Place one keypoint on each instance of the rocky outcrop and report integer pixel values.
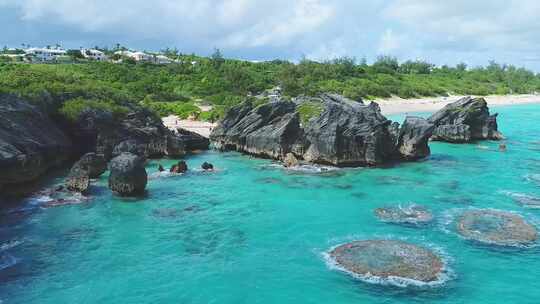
(290, 161)
(465, 120)
(410, 215)
(327, 129)
(180, 167)
(191, 141)
(78, 179)
(413, 138)
(386, 261)
(94, 163)
(30, 142)
(128, 176)
(207, 166)
(140, 132)
(496, 228)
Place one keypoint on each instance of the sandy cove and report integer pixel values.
(396, 105)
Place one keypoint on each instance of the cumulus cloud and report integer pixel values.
(445, 32)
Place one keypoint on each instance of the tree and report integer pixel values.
(386, 65)
(217, 58)
(75, 54)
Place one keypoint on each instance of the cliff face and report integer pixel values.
(30, 142)
(338, 131)
(465, 120)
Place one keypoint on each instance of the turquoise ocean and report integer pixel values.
(253, 232)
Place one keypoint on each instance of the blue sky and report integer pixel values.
(443, 32)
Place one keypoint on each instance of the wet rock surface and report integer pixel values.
(412, 215)
(465, 120)
(207, 166)
(180, 167)
(326, 129)
(127, 175)
(496, 227)
(78, 179)
(387, 259)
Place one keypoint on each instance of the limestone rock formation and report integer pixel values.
(94, 163)
(30, 142)
(496, 227)
(414, 137)
(326, 129)
(411, 215)
(385, 259)
(128, 176)
(465, 120)
(78, 179)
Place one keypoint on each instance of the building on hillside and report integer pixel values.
(45, 54)
(94, 54)
(162, 59)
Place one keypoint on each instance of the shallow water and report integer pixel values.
(252, 232)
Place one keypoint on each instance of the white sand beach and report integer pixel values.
(203, 128)
(396, 105)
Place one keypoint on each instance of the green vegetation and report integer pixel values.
(179, 87)
(308, 110)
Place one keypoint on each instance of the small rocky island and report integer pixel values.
(408, 215)
(388, 260)
(327, 129)
(465, 120)
(330, 129)
(496, 228)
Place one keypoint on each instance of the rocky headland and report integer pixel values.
(328, 129)
(34, 140)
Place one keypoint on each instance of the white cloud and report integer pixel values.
(391, 42)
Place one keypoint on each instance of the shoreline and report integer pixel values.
(203, 128)
(389, 106)
(396, 105)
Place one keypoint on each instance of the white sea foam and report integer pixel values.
(9, 245)
(523, 199)
(7, 261)
(444, 276)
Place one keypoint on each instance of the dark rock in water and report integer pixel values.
(180, 167)
(290, 160)
(94, 163)
(386, 260)
(525, 200)
(333, 130)
(413, 138)
(496, 227)
(192, 141)
(207, 166)
(465, 120)
(78, 179)
(412, 214)
(30, 142)
(128, 176)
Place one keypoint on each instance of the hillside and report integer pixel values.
(178, 88)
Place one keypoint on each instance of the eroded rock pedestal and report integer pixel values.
(128, 176)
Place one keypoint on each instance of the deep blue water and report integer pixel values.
(253, 232)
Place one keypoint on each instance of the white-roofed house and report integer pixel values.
(45, 54)
(94, 54)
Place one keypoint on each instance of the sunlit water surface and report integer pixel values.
(252, 232)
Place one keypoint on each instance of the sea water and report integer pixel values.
(254, 232)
